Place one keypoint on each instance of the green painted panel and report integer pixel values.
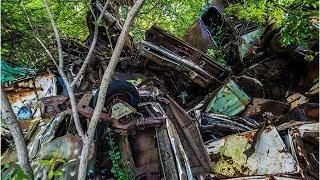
(229, 100)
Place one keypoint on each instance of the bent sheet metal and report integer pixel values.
(270, 156)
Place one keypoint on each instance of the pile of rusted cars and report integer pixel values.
(176, 113)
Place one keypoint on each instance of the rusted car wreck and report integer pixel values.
(173, 112)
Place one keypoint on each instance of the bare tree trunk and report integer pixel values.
(104, 86)
(70, 85)
(11, 121)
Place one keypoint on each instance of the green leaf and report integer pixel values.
(45, 162)
(57, 173)
(50, 174)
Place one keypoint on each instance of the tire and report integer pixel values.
(121, 89)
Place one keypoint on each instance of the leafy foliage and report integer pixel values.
(174, 16)
(115, 156)
(298, 19)
(23, 20)
(15, 172)
(51, 164)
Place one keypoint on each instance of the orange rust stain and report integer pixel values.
(249, 136)
(17, 96)
(313, 112)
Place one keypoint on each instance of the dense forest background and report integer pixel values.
(24, 20)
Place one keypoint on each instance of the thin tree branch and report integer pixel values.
(70, 89)
(93, 45)
(56, 33)
(104, 86)
(11, 121)
(47, 51)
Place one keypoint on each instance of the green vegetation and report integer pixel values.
(174, 16)
(18, 36)
(21, 22)
(117, 169)
(298, 19)
(15, 172)
(51, 164)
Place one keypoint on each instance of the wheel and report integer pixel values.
(120, 90)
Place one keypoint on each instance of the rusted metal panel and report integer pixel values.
(216, 126)
(25, 94)
(181, 48)
(303, 141)
(228, 100)
(189, 135)
(308, 112)
(270, 156)
(199, 36)
(259, 108)
(145, 154)
(166, 50)
(167, 159)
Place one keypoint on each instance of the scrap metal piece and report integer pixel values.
(266, 68)
(167, 50)
(202, 33)
(217, 126)
(296, 100)
(252, 86)
(304, 144)
(182, 160)
(248, 40)
(305, 112)
(228, 100)
(167, 159)
(313, 90)
(259, 108)
(44, 133)
(268, 177)
(189, 135)
(270, 156)
(199, 36)
(145, 154)
(69, 170)
(67, 147)
(56, 104)
(24, 94)
(175, 156)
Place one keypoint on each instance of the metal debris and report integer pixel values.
(228, 100)
(270, 156)
(175, 113)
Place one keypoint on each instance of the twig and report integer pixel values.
(56, 33)
(61, 72)
(104, 86)
(93, 45)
